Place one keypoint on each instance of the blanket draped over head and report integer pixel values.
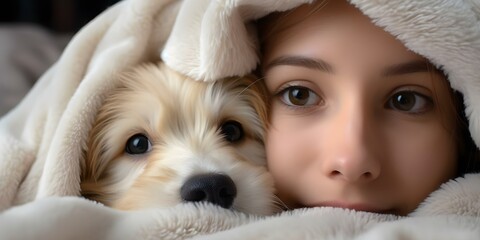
(41, 139)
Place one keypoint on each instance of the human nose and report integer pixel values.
(353, 154)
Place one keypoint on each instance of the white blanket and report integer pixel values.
(42, 138)
(453, 212)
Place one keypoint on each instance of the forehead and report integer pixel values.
(162, 102)
(338, 32)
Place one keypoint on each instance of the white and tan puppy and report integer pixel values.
(161, 139)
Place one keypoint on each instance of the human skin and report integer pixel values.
(357, 120)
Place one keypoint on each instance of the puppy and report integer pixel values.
(161, 139)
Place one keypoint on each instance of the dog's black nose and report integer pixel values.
(216, 188)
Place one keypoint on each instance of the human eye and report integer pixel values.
(410, 102)
(299, 96)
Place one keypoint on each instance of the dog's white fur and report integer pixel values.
(182, 119)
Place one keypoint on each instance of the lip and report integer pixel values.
(354, 206)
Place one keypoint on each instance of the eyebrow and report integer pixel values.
(409, 67)
(311, 63)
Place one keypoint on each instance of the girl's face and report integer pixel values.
(357, 120)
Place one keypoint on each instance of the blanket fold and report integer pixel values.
(77, 218)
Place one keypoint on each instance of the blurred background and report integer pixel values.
(33, 34)
(63, 16)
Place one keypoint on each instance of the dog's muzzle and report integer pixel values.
(216, 188)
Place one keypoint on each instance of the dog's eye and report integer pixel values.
(232, 131)
(138, 144)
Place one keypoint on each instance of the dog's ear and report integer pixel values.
(262, 99)
(96, 155)
(91, 157)
(258, 96)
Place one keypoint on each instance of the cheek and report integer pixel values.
(431, 150)
(287, 156)
(280, 152)
(284, 143)
(280, 164)
(422, 163)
